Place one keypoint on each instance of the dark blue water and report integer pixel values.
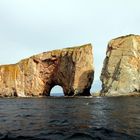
(70, 118)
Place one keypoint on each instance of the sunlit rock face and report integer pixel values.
(71, 68)
(121, 71)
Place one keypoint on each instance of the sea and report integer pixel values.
(70, 118)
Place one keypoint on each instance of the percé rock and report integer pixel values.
(71, 68)
(121, 71)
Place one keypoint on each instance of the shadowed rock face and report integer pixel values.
(71, 68)
(121, 71)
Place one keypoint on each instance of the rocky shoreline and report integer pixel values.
(132, 94)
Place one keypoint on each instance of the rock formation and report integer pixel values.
(71, 68)
(121, 71)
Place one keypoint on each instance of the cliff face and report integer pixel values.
(71, 68)
(121, 71)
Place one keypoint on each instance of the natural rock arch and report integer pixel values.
(71, 68)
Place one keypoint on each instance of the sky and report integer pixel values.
(29, 27)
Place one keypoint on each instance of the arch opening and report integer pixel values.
(57, 91)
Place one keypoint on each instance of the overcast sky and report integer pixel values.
(28, 27)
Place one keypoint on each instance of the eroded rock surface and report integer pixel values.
(71, 68)
(121, 71)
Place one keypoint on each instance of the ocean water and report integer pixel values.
(67, 118)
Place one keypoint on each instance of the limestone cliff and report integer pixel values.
(71, 68)
(121, 71)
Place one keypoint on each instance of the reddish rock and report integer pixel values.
(71, 68)
(121, 71)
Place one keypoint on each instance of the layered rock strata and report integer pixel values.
(121, 71)
(71, 68)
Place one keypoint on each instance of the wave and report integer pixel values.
(93, 134)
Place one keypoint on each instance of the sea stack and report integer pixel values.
(121, 70)
(71, 68)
